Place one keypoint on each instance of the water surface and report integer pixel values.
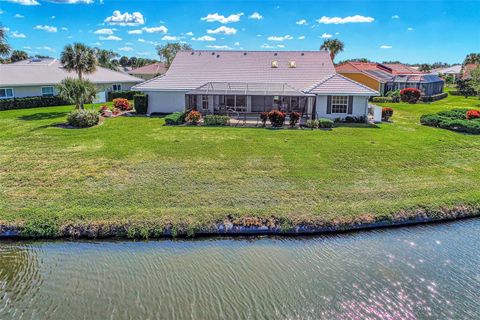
(425, 272)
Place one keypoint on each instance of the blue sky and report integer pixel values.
(409, 31)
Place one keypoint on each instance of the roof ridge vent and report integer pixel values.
(292, 64)
(274, 64)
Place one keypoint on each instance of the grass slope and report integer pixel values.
(135, 171)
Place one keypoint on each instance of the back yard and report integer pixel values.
(134, 171)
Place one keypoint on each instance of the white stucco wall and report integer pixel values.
(360, 108)
(165, 101)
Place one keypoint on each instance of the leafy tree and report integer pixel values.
(77, 91)
(334, 46)
(106, 58)
(391, 62)
(475, 80)
(465, 87)
(168, 51)
(425, 67)
(132, 61)
(18, 55)
(4, 47)
(79, 58)
(354, 60)
(472, 58)
(42, 56)
(124, 61)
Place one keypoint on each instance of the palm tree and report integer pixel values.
(18, 55)
(4, 47)
(106, 58)
(77, 91)
(334, 46)
(79, 58)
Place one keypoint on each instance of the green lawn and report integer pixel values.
(134, 171)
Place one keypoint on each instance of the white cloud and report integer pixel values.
(149, 42)
(104, 31)
(125, 19)
(27, 47)
(16, 34)
(266, 46)
(277, 38)
(170, 38)
(18, 15)
(384, 46)
(26, 2)
(256, 16)
(111, 38)
(215, 17)
(326, 36)
(161, 29)
(64, 29)
(280, 46)
(219, 47)
(45, 48)
(138, 31)
(46, 28)
(52, 17)
(125, 49)
(301, 22)
(301, 37)
(98, 44)
(222, 30)
(189, 34)
(236, 44)
(410, 29)
(72, 1)
(395, 16)
(350, 19)
(144, 53)
(204, 38)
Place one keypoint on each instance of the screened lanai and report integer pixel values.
(248, 97)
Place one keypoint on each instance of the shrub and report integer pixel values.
(175, 118)
(277, 118)
(434, 97)
(431, 120)
(294, 117)
(472, 114)
(312, 123)
(410, 95)
(216, 120)
(394, 95)
(31, 102)
(127, 94)
(83, 118)
(325, 123)
(122, 104)
(193, 117)
(454, 114)
(382, 99)
(351, 119)
(105, 111)
(454, 93)
(465, 87)
(264, 118)
(387, 113)
(140, 101)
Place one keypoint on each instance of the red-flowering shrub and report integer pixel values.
(105, 111)
(277, 118)
(264, 118)
(193, 117)
(473, 114)
(410, 95)
(387, 113)
(122, 104)
(294, 117)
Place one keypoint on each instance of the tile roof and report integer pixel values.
(449, 70)
(338, 84)
(467, 69)
(398, 68)
(374, 70)
(192, 69)
(153, 69)
(51, 72)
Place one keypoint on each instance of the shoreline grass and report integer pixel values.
(135, 171)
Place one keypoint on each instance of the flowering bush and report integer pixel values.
(410, 95)
(83, 118)
(277, 118)
(264, 118)
(473, 114)
(122, 104)
(294, 117)
(193, 117)
(387, 113)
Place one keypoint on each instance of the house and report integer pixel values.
(467, 70)
(150, 71)
(391, 77)
(454, 71)
(245, 82)
(39, 77)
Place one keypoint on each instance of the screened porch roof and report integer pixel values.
(248, 88)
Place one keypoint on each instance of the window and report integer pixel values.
(204, 102)
(117, 87)
(47, 91)
(6, 93)
(191, 101)
(339, 104)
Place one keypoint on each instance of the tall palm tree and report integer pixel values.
(79, 58)
(334, 46)
(4, 47)
(106, 58)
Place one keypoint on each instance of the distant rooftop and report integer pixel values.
(151, 69)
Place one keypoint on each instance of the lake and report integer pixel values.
(429, 271)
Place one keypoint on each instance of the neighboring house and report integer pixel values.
(454, 71)
(255, 81)
(467, 70)
(391, 77)
(149, 72)
(39, 77)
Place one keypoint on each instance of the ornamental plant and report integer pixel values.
(105, 111)
(410, 95)
(277, 118)
(294, 117)
(83, 118)
(122, 104)
(473, 114)
(387, 113)
(193, 117)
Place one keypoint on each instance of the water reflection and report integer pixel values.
(410, 273)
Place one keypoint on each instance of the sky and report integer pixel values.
(409, 31)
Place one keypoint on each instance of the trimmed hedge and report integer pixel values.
(325, 123)
(31, 102)
(127, 94)
(175, 118)
(216, 120)
(454, 120)
(454, 93)
(382, 99)
(435, 97)
(140, 102)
